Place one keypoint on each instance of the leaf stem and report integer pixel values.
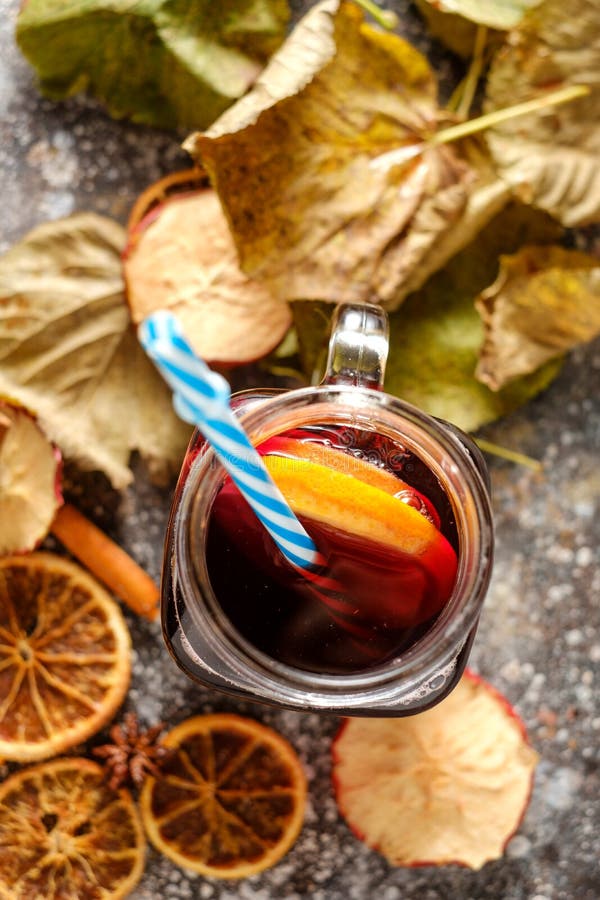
(384, 17)
(474, 74)
(464, 129)
(511, 455)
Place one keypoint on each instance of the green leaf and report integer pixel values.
(68, 353)
(312, 320)
(435, 341)
(436, 334)
(500, 14)
(168, 63)
(551, 157)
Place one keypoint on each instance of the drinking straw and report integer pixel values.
(201, 397)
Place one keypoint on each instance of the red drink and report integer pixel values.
(388, 598)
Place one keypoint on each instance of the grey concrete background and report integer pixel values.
(539, 640)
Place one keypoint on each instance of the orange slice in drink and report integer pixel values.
(64, 656)
(359, 468)
(230, 800)
(420, 560)
(65, 833)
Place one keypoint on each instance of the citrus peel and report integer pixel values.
(338, 499)
(230, 799)
(349, 464)
(64, 656)
(65, 833)
(449, 785)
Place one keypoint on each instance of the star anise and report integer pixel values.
(134, 753)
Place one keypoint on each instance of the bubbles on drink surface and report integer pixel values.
(411, 498)
(368, 445)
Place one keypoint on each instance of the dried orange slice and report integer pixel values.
(231, 799)
(64, 656)
(65, 833)
(449, 785)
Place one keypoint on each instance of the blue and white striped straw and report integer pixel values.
(201, 397)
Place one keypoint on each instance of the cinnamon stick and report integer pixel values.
(107, 561)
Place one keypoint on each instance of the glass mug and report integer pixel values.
(202, 637)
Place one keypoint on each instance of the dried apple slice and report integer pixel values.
(449, 785)
(31, 505)
(182, 257)
(30, 470)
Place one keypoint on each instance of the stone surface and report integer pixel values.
(539, 640)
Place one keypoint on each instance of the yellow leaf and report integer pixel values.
(300, 163)
(545, 301)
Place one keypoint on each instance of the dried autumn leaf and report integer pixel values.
(500, 14)
(29, 481)
(299, 163)
(436, 335)
(551, 157)
(487, 197)
(183, 258)
(160, 63)
(67, 351)
(545, 301)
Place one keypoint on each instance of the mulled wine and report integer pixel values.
(387, 530)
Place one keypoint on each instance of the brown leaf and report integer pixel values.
(436, 335)
(183, 259)
(315, 205)
(545, 301)
(67, 351)
(488, 195)
(551, 157)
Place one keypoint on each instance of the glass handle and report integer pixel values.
(358, 346)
